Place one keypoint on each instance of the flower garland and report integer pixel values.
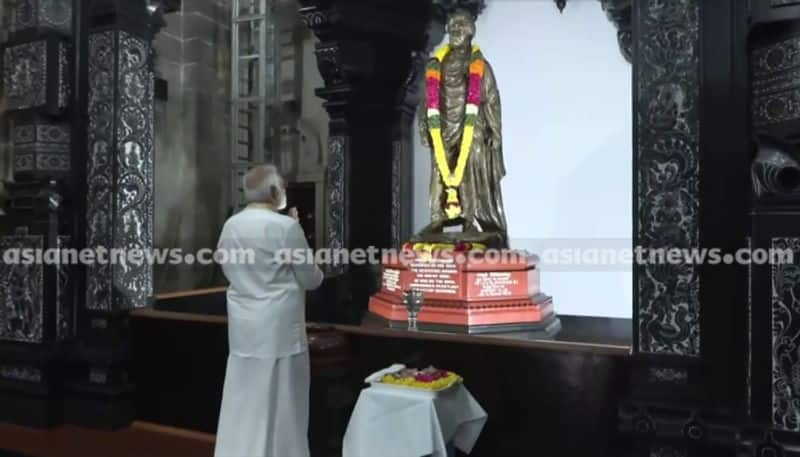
(433, 76)
(430, 248)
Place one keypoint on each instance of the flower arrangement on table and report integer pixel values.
(428, 379)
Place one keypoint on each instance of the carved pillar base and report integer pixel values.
(30, 385)
(764, 441)
(99, 394)
(36, 315)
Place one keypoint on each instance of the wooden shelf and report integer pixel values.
(601, 336)
(596, 335)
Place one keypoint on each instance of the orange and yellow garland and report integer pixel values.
(433, 76)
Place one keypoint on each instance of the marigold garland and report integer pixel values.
(433, 76)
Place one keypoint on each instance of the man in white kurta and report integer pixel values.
(265, 400)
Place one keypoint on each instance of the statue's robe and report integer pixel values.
(480, 193)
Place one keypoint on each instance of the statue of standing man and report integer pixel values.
(459, 119)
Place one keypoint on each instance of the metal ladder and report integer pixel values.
(254, 79)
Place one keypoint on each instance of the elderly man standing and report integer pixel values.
(265, 400)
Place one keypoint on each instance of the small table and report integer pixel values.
(400, 423)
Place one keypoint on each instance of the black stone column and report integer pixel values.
(118, 192)
(366, 52)
(690, 193)
(37, 319)
(773, 362)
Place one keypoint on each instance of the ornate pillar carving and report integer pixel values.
(773, 393)
(667, 128)
(321, 20)
(37, 315)
(120, 158)
(667, 214)
(119, 186)
(365, 56)
(690, 196)
(668, 324)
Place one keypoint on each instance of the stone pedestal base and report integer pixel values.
(99, 393)
(30, 384)
(545, 326)
(466, 292)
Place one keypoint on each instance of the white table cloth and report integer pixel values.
(412, 424)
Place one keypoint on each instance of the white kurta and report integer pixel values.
(265, 399)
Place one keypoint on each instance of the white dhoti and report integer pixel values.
(265, 407)
(265, 399)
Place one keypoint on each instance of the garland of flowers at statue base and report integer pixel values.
(433, 76)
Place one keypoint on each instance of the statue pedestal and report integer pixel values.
(466, 293)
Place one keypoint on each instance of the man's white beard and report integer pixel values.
(283, 203)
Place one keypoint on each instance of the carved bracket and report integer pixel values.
(620, 13)
(776, 171)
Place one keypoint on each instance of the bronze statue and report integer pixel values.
(462, 103)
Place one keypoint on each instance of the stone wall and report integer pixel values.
(193, 135)
(192, 128)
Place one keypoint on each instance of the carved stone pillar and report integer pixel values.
(36, 308)
(773, 364)
(120, 164)
(668, 130)
(690, 197)
(365, 54)
(119, 206)
(667, 327)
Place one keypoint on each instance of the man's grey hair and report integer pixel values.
(262, 184)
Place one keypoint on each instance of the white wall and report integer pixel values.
(312, 111)
(566, 99)
(313, 124)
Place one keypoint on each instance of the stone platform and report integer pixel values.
(468, 292)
